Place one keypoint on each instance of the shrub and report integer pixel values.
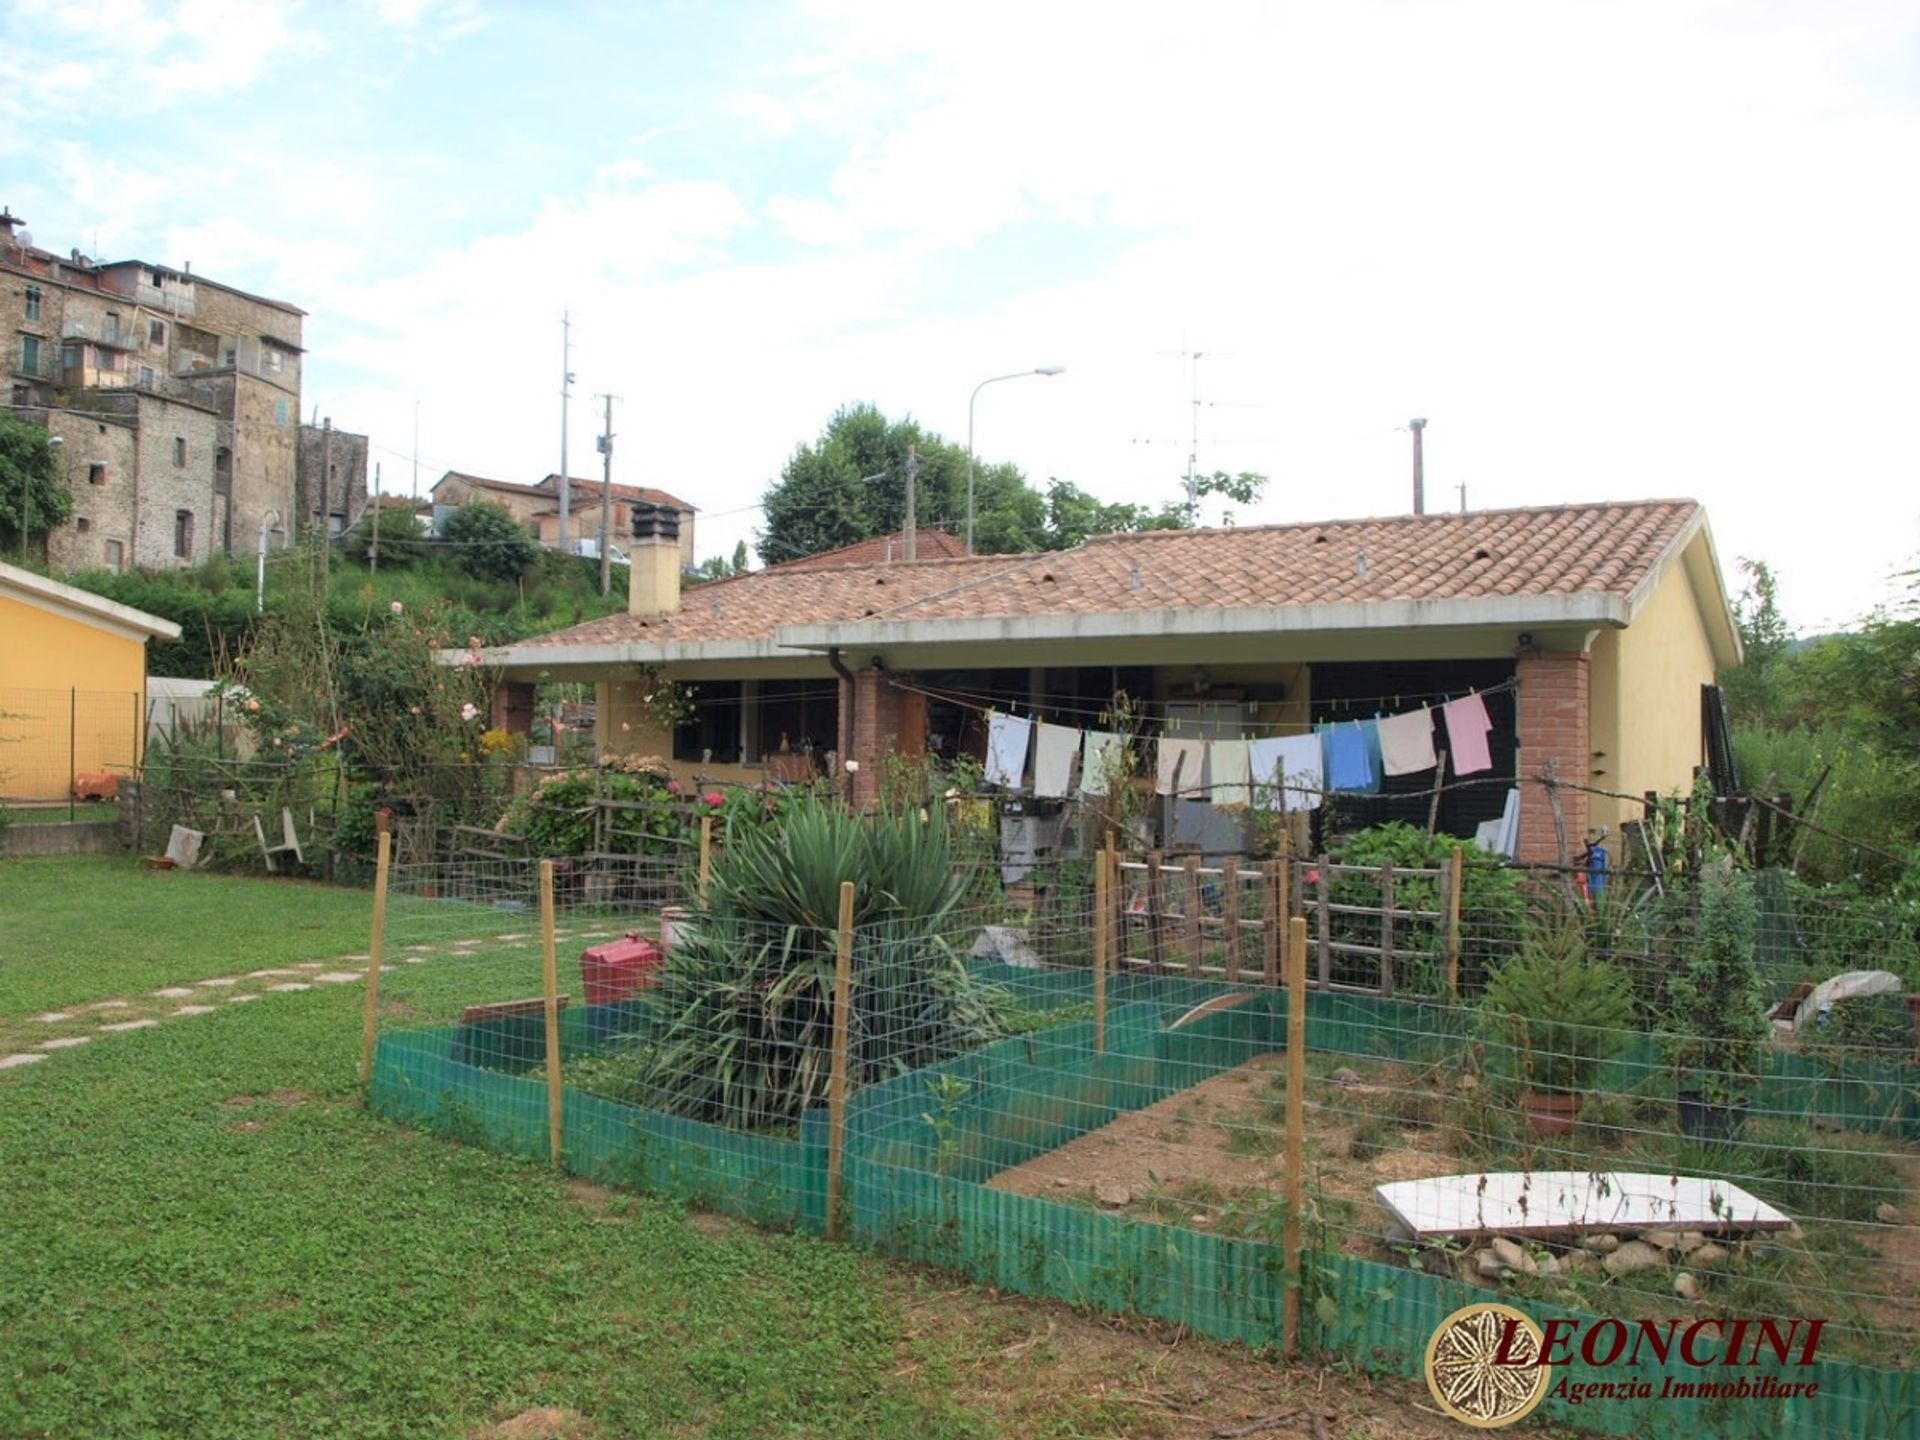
(743, 1014)
(489, 543)
(1716, 1017)
(1492, 908)
(1551, 1015)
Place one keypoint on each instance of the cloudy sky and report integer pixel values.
(1608, 250)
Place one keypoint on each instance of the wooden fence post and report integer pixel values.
(1455, 878)
(1102, 939)
(371, 1020)
(706, 854)
(837, 1075)
(550, 995)
(1324, 899)
(1230, 888)
(1156, 917)
(1273, 915)
(1386, 927)
(1191, 905)
(1296, 1146)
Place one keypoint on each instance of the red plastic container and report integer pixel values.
(613, 971)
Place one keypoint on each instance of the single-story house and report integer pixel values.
(73, 684)
(1586, 631)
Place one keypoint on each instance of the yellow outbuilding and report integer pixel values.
(73, 683)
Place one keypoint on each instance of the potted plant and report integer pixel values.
(1550, 1016)
(1717, 1009)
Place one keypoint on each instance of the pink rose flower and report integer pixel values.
(469, 711)
(396, 607)
(714, 798)
(673, 787)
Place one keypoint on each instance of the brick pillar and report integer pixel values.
(513, 707)
(1553, 713)
(886, 721)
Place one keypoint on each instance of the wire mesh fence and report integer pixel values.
(1334, 1102)
(60, 749)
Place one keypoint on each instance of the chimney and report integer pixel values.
(653, 571)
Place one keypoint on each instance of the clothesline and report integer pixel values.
(1292, 772)
(985, 702)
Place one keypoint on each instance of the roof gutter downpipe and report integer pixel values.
(846, 717)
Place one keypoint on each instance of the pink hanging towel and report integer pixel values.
(1467, 727)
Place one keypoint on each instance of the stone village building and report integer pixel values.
(177, 399)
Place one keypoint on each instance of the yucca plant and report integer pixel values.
(742, 1028)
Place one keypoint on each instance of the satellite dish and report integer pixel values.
(26, 239)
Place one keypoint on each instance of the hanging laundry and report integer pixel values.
(1406, 743)
(1302, 771)
(1467, 727)
(1228, 775)
(1349, 757)
(1264, 769)
(1181, 766)
(1053, 752)
(1007, 737)
(1097, 754)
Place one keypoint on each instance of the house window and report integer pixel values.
(69, 355)
(114, 555)
(280, 410)
(82, 524)
(96, 474)
(183, 534)
(34, 298)
(712, 724)
(270, 359)
(30, 354)
(146, 377)
(179, 450)
(805, 714)
(113, 329)
(156, 332)
(107, 360)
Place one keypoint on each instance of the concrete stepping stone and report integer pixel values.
(109, 1005)
(290, 985)
(66, 1043)
(268, 974)
(11, 1062)
(131, 1025)
(311, 965)
(414, 959)
(222, 980)
(196, 1009)
(339, 977)
(53, 1017)
(173, 992)
(240, 999)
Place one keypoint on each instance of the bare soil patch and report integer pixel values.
(547, 1422)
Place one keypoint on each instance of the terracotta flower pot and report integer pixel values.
(1549, 1114)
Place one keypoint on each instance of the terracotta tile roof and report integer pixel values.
(1557, 550)
(753, 606)
(927, 545)
(1560, 550)
(585, 492)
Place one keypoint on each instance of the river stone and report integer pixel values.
(1686, 1287)
(1632, 1256)
(1114, 1197)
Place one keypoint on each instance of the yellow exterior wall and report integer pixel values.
(1656, 668)
(50, 733)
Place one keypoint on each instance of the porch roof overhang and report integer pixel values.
(531, 660)
(1368, 623)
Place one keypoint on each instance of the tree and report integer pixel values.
(403, 538)
(740, 558)
(34, 500)
(850, 485)
(1752, 687)
(488, 542)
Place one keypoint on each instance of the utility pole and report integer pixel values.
(1193, 450)
(1462, 488)
(373, 550)
(566, 404)
(606, 497)
(415, 491)
(326, 475)
(1419, 467)
(910, 530)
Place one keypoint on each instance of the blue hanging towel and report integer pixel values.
(1350, 752)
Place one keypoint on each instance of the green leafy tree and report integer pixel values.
(403, 538)
(34, 500)
(740, 560)
(488, 542)
(1753, 688)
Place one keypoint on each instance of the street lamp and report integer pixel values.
(992, 380)
(260, 572)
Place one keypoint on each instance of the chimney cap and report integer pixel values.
(655, 522)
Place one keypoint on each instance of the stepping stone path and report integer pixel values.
(303, 975)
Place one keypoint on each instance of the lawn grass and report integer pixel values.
(79, 928)
(205, 1235)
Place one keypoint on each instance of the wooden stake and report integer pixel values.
(1156, 916)
(1455, 878)
(1102, 939)
(706, 854)
(1273, 915)
(837, 1076)
(1230, 885)
(550, 996)
(1386, 927)
(1296, 1146)
(371, 1020)
(1191, 905)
